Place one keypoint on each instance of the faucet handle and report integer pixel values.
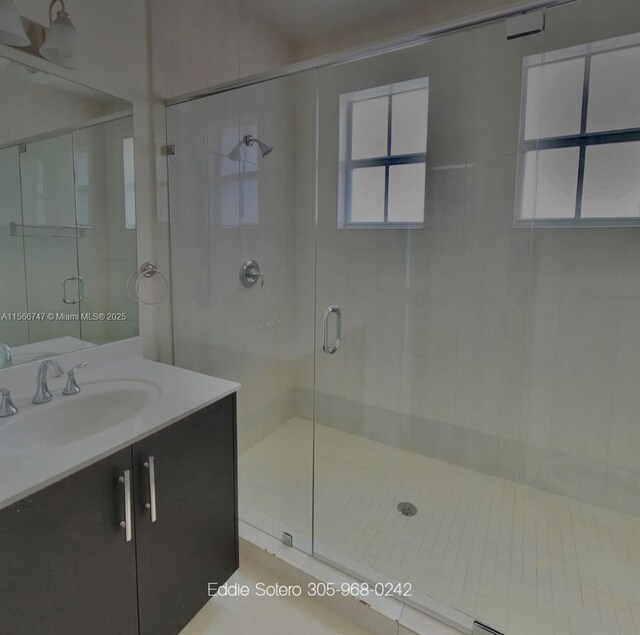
(7, 407)
(72, 387)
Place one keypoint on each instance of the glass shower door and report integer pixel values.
(421, 295)
(48, 227)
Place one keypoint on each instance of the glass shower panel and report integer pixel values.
(419, 370)
(50, 237)
(107, 247)
(233, 202)
(13, 298)
(579, 446)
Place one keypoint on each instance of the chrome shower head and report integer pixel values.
(249, 140)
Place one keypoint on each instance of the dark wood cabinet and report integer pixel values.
(192, 541)
(66, 567)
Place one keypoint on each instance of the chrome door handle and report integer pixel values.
(150, 464)
(80, 297)
(330, 349)
(126, 524)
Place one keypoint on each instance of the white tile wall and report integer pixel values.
(217, 223)
(523, 335)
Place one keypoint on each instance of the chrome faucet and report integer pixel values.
(5, 356)
(42, 389)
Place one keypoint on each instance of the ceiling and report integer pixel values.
(301, 20)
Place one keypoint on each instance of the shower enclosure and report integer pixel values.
(440, 372)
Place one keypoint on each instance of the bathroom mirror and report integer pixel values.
(67, 216)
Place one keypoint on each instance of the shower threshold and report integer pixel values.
(378, 614)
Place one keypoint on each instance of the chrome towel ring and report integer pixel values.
(147, 270)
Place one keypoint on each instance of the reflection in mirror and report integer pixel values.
(67, 216)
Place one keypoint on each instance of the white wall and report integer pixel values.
(202, 43)
(433, 12)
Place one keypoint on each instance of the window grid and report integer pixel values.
(582, 140)
(386, 162)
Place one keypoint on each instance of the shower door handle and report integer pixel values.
(330, 349)
(80, 297)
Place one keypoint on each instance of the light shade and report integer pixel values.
(60, 44)
(11, 30)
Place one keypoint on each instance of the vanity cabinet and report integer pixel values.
(192, 541)
(66, 566)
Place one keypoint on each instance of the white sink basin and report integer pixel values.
(101, 405)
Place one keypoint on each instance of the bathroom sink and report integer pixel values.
(101, 405)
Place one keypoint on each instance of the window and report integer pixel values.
(383, 154)
(580, 136)
(129, 184)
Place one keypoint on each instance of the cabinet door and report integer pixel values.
(65, 567)
(193, 541)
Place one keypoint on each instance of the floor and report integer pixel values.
(267, 616)
(522, 560)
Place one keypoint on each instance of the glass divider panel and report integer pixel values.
(417, 412)
(242, 204)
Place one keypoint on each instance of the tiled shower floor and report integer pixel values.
(525, 561)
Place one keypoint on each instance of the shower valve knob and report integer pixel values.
(250, 274)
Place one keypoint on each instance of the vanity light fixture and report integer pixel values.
(57, 42)
(12, 30)
(60, 43)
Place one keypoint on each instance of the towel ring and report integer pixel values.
(147, 270)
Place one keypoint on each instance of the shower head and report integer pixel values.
(249, 140)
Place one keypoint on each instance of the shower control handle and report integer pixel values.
(250, 274)
(330, 349)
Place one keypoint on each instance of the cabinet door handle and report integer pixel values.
(150, 464)
(126, 524)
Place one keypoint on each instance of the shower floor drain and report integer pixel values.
(407, 509)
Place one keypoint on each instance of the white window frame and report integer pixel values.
(582, 140)
(348, 164)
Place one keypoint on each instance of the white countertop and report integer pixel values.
(182, 392)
